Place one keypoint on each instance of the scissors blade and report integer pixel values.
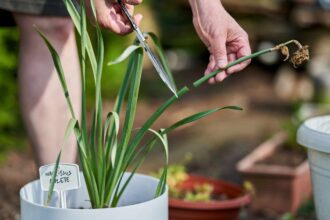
(153, 58)
(160, 69)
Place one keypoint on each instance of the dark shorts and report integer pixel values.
(33, 7)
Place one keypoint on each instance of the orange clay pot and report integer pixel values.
(213, 210)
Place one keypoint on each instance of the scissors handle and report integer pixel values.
(128, 15)
(131, 21)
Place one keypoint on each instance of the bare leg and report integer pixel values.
(44, 109)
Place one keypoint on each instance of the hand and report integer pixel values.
(110, 16)
(225, 39)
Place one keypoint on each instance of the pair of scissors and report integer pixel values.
(153, 58)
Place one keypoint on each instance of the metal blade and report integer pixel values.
(159, 68)
(155, 61)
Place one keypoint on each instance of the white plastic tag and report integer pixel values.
(67, 177)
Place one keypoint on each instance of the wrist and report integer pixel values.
(203, 6)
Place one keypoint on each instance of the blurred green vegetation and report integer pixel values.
(114, 46)
(11, 132)
(176, 29)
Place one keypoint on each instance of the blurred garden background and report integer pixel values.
(275, 96)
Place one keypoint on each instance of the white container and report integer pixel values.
(315, 135)
(137, 203)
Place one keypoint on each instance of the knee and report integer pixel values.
(55, 28)
(58, 29)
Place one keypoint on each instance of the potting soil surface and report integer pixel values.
(286, 156)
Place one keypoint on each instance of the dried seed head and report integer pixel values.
(285, 52)
(299, 57)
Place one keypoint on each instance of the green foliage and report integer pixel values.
(11, 132)
(175, 26)
(104, 154)
(176, 175)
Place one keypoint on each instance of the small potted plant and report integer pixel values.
(107, 150)
(197, 197)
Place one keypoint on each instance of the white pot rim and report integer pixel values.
(314, 133)
(146, 177)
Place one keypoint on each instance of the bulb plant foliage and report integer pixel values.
(108, 150)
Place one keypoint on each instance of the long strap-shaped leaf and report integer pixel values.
(59, 70)
(75, 16)
(149, 146)
(129, 118)
(83, 39)
(140, 134)
(198, 116)
(127, 52)
(111, 142)
(72, 123)
(122, 91)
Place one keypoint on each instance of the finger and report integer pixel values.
(132, 2)
(244, 51)
(117, 24)
(220, 77)
(210, 68)
(138, 18)
(219, 51)
(130, 9)
(231, 57)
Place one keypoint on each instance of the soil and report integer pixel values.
(18, 170)
(286, 156)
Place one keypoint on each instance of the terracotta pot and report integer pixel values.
(278, 188)
(214, 210)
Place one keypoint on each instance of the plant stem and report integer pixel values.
(200, 81)
(238, 61)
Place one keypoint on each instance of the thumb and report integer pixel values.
(219, 51)
(138, 18)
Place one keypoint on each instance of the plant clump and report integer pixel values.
(176, 177)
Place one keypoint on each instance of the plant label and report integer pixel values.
(67, 177)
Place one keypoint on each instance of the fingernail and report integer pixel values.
(221, 63)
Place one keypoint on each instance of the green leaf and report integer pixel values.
(83, 38)
(137, 58)
(110, 142)
(72, 123)
(142, 154)
(140, 134)
(59, 70)
(124, 55)
(132, 97)
(198, 116)
(75, 16)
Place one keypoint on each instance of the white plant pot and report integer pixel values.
(315, 135)
(137, 202)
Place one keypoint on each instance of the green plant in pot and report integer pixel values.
(198, 197)
(107, 150)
